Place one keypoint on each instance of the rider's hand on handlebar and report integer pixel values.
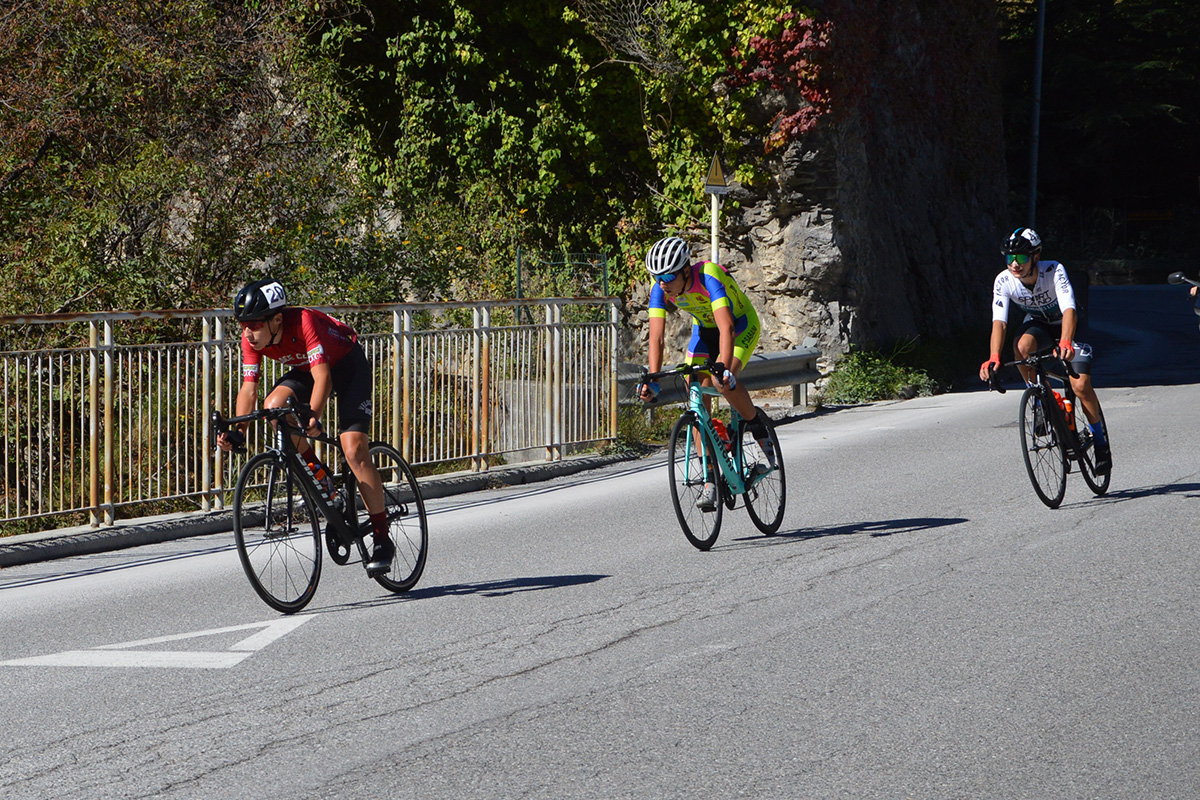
(1066, 350)
(313, 427)
(648, 391)
(988, 367)
(231, 440)
(724, 376)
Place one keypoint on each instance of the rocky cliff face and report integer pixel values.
(884, 222)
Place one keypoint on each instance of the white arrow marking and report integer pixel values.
(125, 654)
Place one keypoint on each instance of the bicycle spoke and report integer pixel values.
(690, 464)
(277, 533)
(1045, 458)
(763, 473)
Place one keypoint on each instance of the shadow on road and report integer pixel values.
(885, 527)
(500, 588)
(1121, 495)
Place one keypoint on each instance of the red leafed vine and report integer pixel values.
(790, 63)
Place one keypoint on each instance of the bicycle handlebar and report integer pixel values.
(686, 370)
(1034, 360)
(290, 409)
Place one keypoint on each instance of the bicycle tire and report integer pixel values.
(688, 467)
(766, 493)
(1045, 456)
(1087, 463)
(408, 525)
(278, 533)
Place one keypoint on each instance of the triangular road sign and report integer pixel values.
(715, 183)
(132, 654)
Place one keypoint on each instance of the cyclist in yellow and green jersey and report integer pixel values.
(725, 325)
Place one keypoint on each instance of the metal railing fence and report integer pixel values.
(99, 423)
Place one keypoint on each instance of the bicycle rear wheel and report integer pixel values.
(407, 524)
(1045, 457)
(766, 484)
(692, 463)
(1087, 452)
(278, 533)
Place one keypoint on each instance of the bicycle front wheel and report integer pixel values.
(278, 533)
(407, 523)
(692, 465)
(1087, 452)
(1045, 456)
(762, 471)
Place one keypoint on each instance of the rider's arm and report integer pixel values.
(247, 399)
(658, 327)
(322, 389)
(998, 332)
(996, 343)
(724, 319)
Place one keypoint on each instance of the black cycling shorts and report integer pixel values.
(1048, 335)
(351, 386)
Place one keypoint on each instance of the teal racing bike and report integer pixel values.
(711, 472)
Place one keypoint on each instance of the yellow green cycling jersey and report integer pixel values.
(710, 287)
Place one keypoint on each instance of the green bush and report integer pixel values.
(866, 376)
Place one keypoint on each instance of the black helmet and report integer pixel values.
(1022, 241)
(667, 256)
(259, 300)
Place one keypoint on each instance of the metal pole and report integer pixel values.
(1036, 115)
(716, 225)
(397, 377)
(109, 471)
(219, 403)
(94, 423)
(206, 436)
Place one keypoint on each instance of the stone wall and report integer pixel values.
(883, 223)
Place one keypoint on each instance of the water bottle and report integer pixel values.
(723, 434)
(1069, 409)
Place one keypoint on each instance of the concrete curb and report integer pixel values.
(31, 548)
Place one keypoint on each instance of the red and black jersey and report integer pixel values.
(309, 337)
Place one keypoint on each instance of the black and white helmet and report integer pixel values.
(668, 256)
(1022, 241)
(259, 300)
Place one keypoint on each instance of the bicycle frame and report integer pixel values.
(343, 517)
(1068, 435)
(730, 462)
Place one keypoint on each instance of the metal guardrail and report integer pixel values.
(93, 424)
(796, 368)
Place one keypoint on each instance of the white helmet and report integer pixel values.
(668, 256)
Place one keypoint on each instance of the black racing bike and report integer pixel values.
(284, 520)
(1055, 435)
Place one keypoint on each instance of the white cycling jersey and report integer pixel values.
(1045, 301)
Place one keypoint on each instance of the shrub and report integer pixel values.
(865, 376)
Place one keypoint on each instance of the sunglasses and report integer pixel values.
(256, 325)
(1019, 258)
(670, 276)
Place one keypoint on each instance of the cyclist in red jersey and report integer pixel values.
(326, 361)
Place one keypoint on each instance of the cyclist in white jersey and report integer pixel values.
(1042, 290)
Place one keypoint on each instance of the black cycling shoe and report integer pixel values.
(1103, 459)
(381, 557)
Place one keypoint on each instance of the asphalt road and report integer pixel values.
(921, 627)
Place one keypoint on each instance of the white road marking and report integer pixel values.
(126, 654)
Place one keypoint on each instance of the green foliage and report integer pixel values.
(639, 428)
(864, 376)
(158, 155)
